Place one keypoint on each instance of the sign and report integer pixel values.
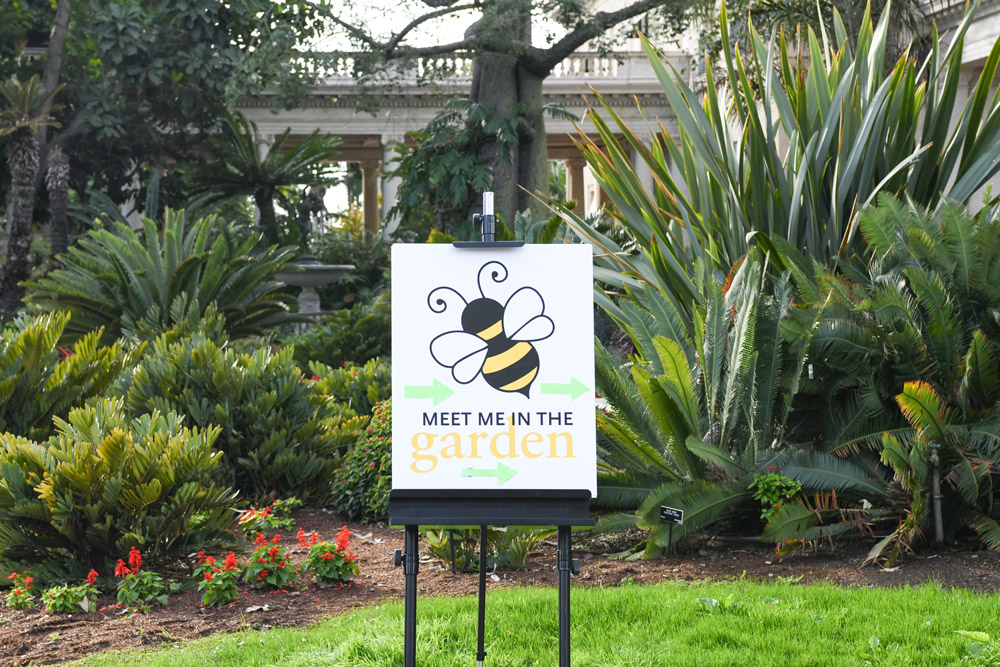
(493, 367)
(672, 514)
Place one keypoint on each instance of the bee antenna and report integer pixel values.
(439, 300)
(497, 275)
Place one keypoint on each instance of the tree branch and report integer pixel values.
(391, 45)
(541, 61)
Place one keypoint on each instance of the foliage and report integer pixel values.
(40, 380)
(138, 588)
(357, 388)
(104, 483)
(143, 286)
(506, 546)
(360, 486)
(332, 563)
(133, 102)
(20, 596)
(65, 599)
(279, 435)
(256, 519)
(772, 490)
(219, 583)
(907, 359)
(370, 257)
(354, 335)
(441, 175)
(696, 417)
(242, 171)
(268, 566)
(852, 132)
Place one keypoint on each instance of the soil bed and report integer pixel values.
(31, 637)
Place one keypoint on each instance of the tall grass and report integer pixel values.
(674, 623)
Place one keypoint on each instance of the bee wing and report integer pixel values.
(462, 352)
(523, 318)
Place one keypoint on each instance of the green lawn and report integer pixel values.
(676, 623)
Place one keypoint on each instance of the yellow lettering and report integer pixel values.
(474, 438)
(531, 439)
(425, 459)
(569, 445)
(453, 450)
(511, 444)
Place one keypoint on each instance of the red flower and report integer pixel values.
(327, 555)
(316, 378)
(273, 551)
(91, 577)
(276, 538)
(134, 559)
(27, 581)
(772, 468)
(260, 540)
(120, 569)
(349, 557)
(343, 538)
(313, 537)
(209, 576)
(301, 537)
(230, 563)
(13, 575)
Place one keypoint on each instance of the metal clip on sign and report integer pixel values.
(455, 507)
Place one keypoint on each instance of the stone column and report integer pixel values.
(574, 183)
(390, 184)
(369, 199)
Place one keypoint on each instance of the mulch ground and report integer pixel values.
(31, 637)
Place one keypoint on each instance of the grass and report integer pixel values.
(673, 623)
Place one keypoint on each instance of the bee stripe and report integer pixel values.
(501, 361)
(521, 382)
(491, 332)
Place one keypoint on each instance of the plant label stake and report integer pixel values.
(493, 410)
(673, 516)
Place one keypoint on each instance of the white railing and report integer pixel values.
(457, 68)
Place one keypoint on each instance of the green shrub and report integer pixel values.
(358, 388)
(142, 286)
(356, 335)
(280, 436)
(105, 483)
(40, 380)
(361, 486)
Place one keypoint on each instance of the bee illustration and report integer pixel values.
(495, 339)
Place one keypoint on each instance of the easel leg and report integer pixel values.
(481, 636)
(565, 565)
(411, 565)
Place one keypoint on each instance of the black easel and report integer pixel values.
(563, 509)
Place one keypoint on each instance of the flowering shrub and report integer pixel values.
(219, 583)
(68, 599)
(359, 388)
(273, 516)
(20, 596)
(268, 566)
(361, 485)
(138, 588)
(331, 563)
(773, 490)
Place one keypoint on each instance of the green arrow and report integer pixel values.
(438, 391)
(502, 473)
(574, 388)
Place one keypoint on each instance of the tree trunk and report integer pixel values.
(533, 153)
(496, 87)
(57, 180)
(23, 162)
(267, 221)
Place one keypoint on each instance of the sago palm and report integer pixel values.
(20, 118)
(241, 170)
(696, 417)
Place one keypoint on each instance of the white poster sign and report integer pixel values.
(493, 367)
